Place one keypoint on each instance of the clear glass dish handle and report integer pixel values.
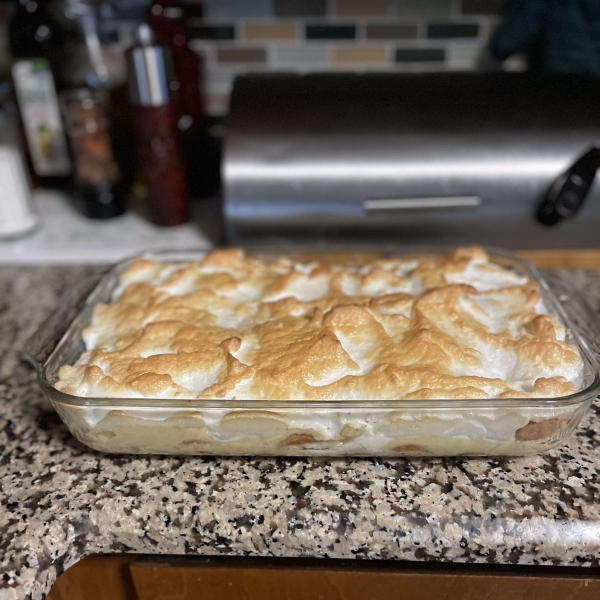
(579, 311)
(39, 347)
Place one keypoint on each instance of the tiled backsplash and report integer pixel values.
(239, 36)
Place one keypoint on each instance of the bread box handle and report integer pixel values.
(377, 205)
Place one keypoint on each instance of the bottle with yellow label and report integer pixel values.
(32, 35)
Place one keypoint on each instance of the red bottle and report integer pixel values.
(155, 121)
(166, 21)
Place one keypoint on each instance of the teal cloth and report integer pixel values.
(556, 35)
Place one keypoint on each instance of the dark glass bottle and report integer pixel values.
(201, 152)
(88, 110)
(97, 177)
(34, 35)
(166, 21)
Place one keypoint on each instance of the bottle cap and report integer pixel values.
(150, 70)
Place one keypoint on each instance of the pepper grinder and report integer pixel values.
(155, 121)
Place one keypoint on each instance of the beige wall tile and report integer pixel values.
(362, 8)
(270, 31)
(360, 54)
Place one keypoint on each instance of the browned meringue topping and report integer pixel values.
(244, 327)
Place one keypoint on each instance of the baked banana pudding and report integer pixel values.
(270, 329)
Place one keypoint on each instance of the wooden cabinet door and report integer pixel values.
(215, 580)
(134, 577)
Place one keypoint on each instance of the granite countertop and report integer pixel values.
(60, 501)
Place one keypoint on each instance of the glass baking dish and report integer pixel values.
(280, 427)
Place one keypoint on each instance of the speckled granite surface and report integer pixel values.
(60, 502)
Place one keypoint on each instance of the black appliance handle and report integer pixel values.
(570, 190)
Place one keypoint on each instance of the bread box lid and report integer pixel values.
(450, 155)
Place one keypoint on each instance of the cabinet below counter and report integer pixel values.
(134, 577)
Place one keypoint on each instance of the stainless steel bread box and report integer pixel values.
(416, 158)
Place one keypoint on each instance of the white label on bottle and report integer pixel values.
(41, 117)
(16, 214)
